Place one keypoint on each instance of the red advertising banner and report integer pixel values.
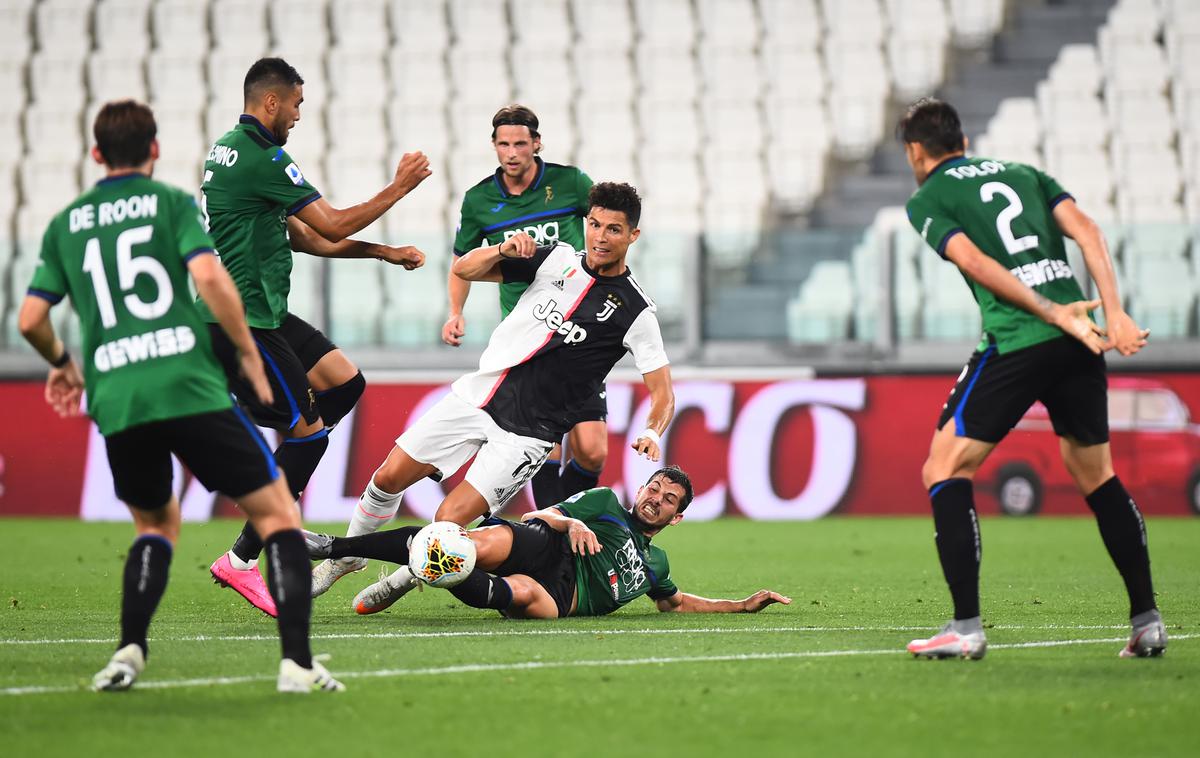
(766, 450)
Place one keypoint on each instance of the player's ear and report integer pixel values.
(966, 143)
(96, 155)
(634, 234)
(154, 150)
(675, 519)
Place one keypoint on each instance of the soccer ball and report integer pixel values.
(442, 554)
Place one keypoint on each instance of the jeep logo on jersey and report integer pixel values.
(550, 315)
(542, 233)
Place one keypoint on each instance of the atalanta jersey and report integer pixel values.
(552, 352)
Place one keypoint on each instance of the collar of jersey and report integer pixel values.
(583, 262)
(536, 180)
(121, 178)
(249, 120)
(947, 162)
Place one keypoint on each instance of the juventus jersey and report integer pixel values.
(556, 347)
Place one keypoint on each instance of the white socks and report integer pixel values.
(375, 508)
(239, 564)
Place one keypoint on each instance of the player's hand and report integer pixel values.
(405, 255)
(583, 540)
(252, 371)
(454, 329)
(647, 448)
(1124, 333)
(762, 599)
(1073, 319)
(64, 389)
(519, 245)
(412, 169)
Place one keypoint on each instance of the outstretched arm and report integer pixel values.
(455, 327)
(583, 540)
(1071, 318)
(336, 224)
(1123, 332)
(682, 602)
(483, 263)
(304, 239)
(662, 410)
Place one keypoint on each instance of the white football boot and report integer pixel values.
(951, 644)
(1147, 641)
(295, 678)
(122, 670)
(330, 570)
(383, 593)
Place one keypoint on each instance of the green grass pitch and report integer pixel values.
(824, 676)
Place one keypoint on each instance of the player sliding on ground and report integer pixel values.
(1002, 224)
(123, 252)
(585, 557)
(582, 312)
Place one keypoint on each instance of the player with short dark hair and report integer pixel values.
(123, 251)
(260, 208)
(581, 312)
(587, 556)
(547, 201)
(1003, 224)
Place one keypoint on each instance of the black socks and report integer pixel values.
(482, 590)
(145, 580)
(958, 544)
(289, 575)
(576, 478)
(545, 485)
(298, 457)
(1124, 534)
(390, 545)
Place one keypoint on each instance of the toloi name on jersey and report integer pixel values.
(115, 212)
(1040, 272)
(143, 347)
(987, 168)
(550, 315)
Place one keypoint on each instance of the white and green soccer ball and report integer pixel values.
(442, 554)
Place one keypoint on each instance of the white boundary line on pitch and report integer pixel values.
(478, 668)
(554, 633)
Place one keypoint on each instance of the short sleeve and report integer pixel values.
(590, 504)
(468, 235)
(934, 225)
(644, 340)
(282, 182)
(525, 269)
(583, 187)
(663, 587)
(191, 238)
(1051, 189)
(49, 280)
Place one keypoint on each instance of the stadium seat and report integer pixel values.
(917, 66)
(731, 75)
(665, 24)
(54, 131)
(11, 145)
(728, 25)
(602, 77)
(426, 129)
(184, 172)
(419, 26)
(359, 77)
(796, 177)
(115, 76)
(949, 310)
(58, 20)
(603, 26)
(480, 74)
(123, 26)
(821, 312)
(298, 25)
(667, 75)
(356, 300)
(361, 25)
(227, 69)
(57, 78)
(419, 80)
(181, 133)
(731, 126)
(857, 121)
(542, 25)
(239, 23)
(975, 21)
(791, 23)
(180, 26)
(794, 73)
(543, 75)
(603, 164)
(16, 14)
(1163, 295)
(175, 77)
(478, 26)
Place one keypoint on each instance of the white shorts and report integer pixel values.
(453, 430)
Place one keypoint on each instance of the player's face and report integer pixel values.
(515, 149)
(288, 113)
(608, 236)
(657, 504)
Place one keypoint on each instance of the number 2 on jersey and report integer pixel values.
(1012, 243)
(128, 269)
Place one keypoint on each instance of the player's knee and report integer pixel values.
(460, 512)
(592, 454)
(337, 402)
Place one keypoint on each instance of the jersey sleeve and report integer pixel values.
(590, 504)
(469, 234)
(525, 269)
(663, 587)
(189, 228)
(1051, 189)
(49, 279)
(282, 181)
(934, 225)
(644, 340)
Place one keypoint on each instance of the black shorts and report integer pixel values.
(223, 449)
(994, 390)
(544, 555)
(595, 408)
(289, 353)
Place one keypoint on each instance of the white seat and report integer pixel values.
(857, 122)
(11, 144)
(797, 124)
(541, 24)
(542, 75)
(859, 23)
(794, 72)
(356, 300)
(416, 128)
(974, 22)
(673, 181)
(821, 310)
(358, 75)
(357, 129)
(16, 15)
(181, 133)
(123, 26)
(49, 183)
(361, 25)
(668, 128)
(12, 86)
(796, 177)
(419, 80)
(665, 24)
(240, 22)
(731, 75)
(728, 24)
(180, 26)
(115, 76)
(471, 123)
(478, 25)
(227, 69)
(733, 127)
(187, 175)
(791, 23)
(917, 66)
(667, 75)
(603, 25)
(299, 25)
(60, 79)
(353, 179)
(420, 26)
(175, 77)
(64, 20)
(604, 77)
(607, 165)
(480, 74)
(54, 130)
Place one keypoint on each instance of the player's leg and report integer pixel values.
(504, 465)
(1078, 407)
(226, 452)
(546, 490)
(141, 468)
(334, 378)
(990, 396)
(588, 442)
